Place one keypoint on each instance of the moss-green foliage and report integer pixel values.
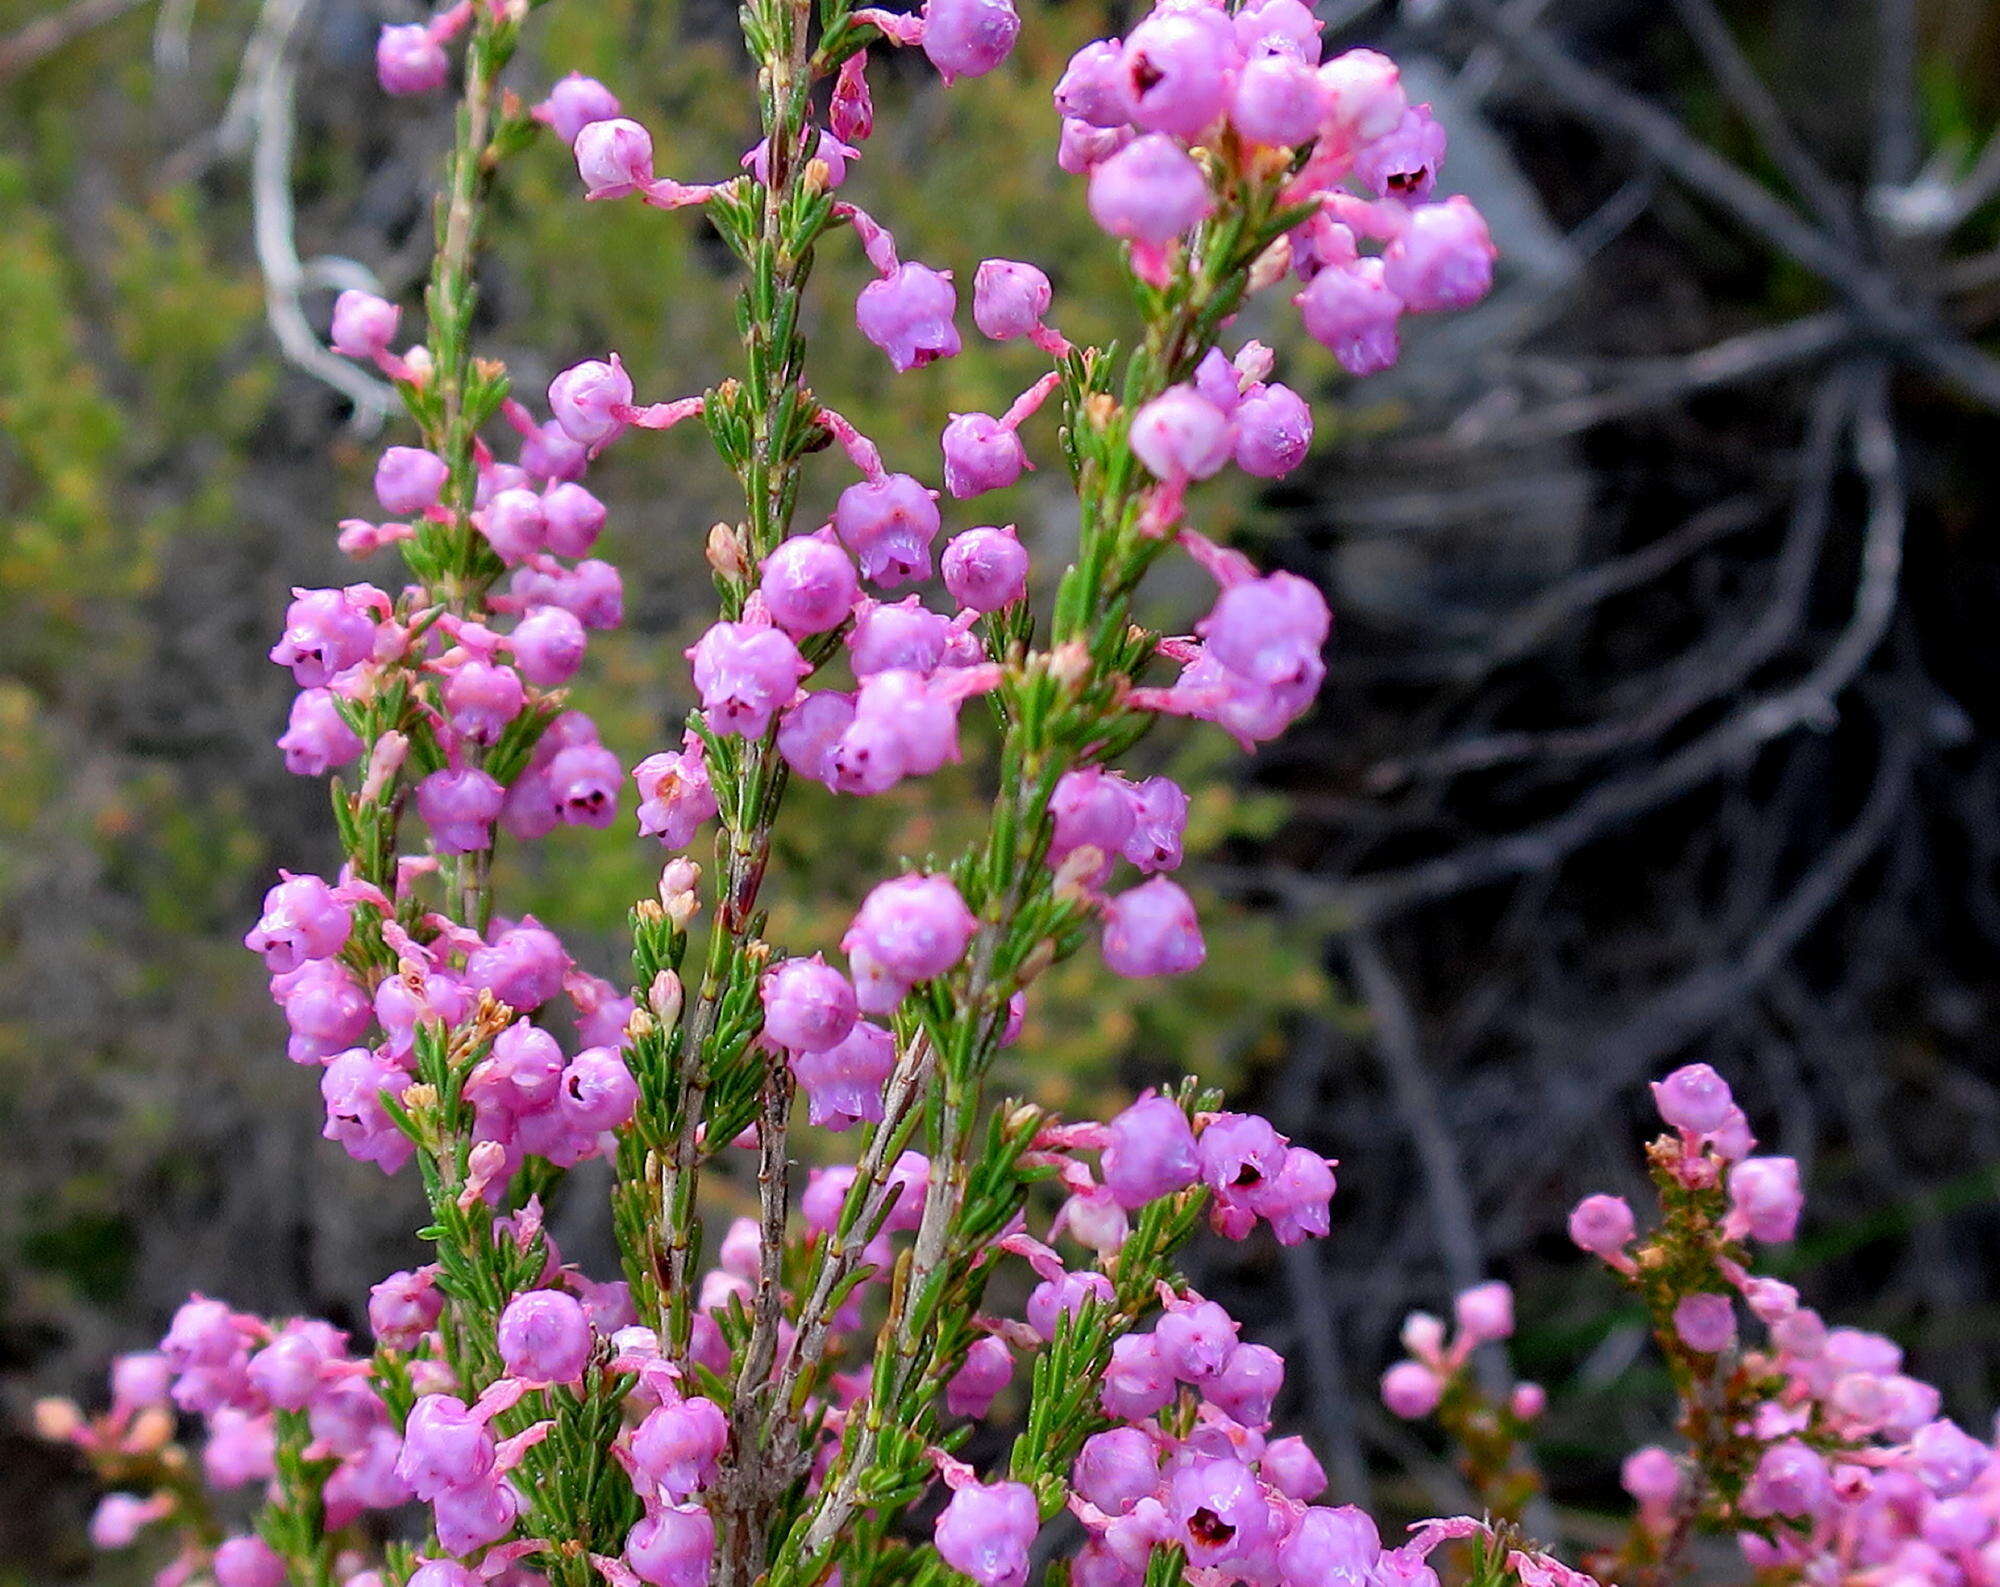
(60, 447)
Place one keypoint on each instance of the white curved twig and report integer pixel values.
(285, 277)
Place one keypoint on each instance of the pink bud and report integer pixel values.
(1411, 1390)
(408, 60)
(1706, 1323)
(986, 569)
(363, 324)
(614, 157)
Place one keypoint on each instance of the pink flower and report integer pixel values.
(986, 1531)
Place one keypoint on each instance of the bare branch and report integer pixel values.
(277, 253)
(1896, 148)
(1754, 102)
(1400, 1050)
(1530, 626)
(1681, 1013)
(1732, 742)
(1305, 1282)
(1641, 385)
(1713, 670)
(1882, 303)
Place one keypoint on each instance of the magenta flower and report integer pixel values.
(908, 314)
(809, 1006)
(1411, 1390)
(1274, 431)
(549, 645)
(1180, 435)
(1705, 1322)
(968, 38)
(1195, 1339)
(544, 1336)
(1602, 1225)
(515, 524)
(1443, 259)
(988, 1368)
(1094, 87)
(1218, 1511)
(1330, 1545)
(1151, 1152)
(1116, 1469)
(1365, 94)
(1138, 1381)
(1009, 299)
(1791, 1480)
(1269, 630)
(843, 1084)
(675, 794)
(587, 397)
(247, 1562)
(809, 584)
(614, 156)
(1150, 191)
(1278, 101)
(302, 920)
(523, 966)
(1351, 311)
(1178, 66)
(317, 739)
(889, 523)
(672, 1546)
(1403, 163)
(404, 1307)
(327, 632)
(675, 1447)
(1290, 1466)
(408, 60)
(574, 102)
(745, 675)
(980, 454)
(986, 569)
(1765, 1199)
(1693, 1098)
(986, 1531)
(907, 930)
(903, 636)
(1152, 930)
(363, 324)
(408, 480)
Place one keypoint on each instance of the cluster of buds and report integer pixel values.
(1196, 96)
(363, 1026)
(1437, 1379)
(1807, 1440)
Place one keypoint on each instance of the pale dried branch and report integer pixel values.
(285, 277)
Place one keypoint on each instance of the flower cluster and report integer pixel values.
(1811, 1442)
(1193, 89)
(1491, 1432)
(771, 1409)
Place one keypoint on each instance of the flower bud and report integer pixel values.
(614, 157)
(408, 60)
(664, 997)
